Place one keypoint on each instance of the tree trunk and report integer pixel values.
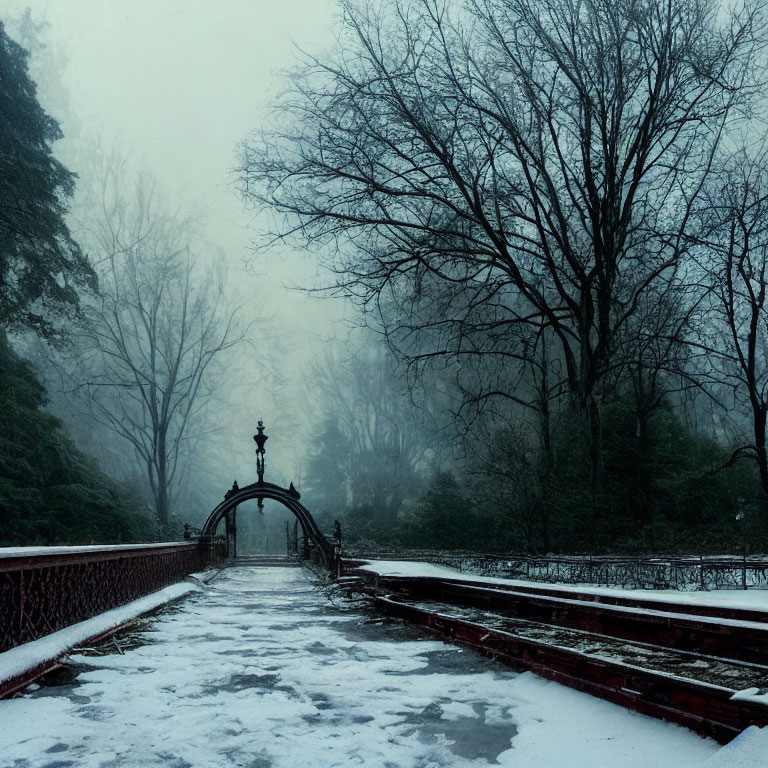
(759, 412)
(545, 475)
(162, 502)
(645, 506)
(595, 468)
(547, 460)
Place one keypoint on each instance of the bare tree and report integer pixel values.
(735, 256)
(148, 345)
(548, 151)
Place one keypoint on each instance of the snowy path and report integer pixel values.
(258, 671)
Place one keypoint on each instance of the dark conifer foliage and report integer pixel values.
(51, 493)
(41, 266)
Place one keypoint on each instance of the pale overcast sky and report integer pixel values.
(179, 83)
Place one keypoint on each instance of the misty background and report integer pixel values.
(172, 89)
(157, 104)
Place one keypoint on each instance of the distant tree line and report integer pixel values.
(396, 478)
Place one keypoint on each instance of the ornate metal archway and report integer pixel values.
(315, 543)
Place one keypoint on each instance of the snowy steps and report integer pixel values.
(664, 658)
(702, 668)
(263, 561)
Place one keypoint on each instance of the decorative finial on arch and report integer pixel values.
(232, 491)
(260, 439)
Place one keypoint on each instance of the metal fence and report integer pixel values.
(688, 573)
(46, 590)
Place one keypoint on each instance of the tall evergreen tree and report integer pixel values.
(41, 266)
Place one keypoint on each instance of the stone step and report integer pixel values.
(272, 561)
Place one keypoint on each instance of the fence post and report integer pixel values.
(701, 573)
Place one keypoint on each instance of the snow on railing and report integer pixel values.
(686, 573)
(44, 589)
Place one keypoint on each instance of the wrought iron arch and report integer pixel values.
(288, 497)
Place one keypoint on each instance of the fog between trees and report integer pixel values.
(549, 217)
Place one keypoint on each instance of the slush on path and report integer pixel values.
(259, 670)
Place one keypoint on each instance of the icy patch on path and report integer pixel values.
(259, 671)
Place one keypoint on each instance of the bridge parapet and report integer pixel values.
(44, 589)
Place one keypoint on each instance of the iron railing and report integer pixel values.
(688, 573)
(43, 590)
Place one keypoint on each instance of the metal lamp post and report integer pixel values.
(260, 439)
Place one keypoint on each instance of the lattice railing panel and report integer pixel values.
(45, 593)
(682, 573)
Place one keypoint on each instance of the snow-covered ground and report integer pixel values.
(756, 599)
(258, 670)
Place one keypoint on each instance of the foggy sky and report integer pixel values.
(178, 84)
